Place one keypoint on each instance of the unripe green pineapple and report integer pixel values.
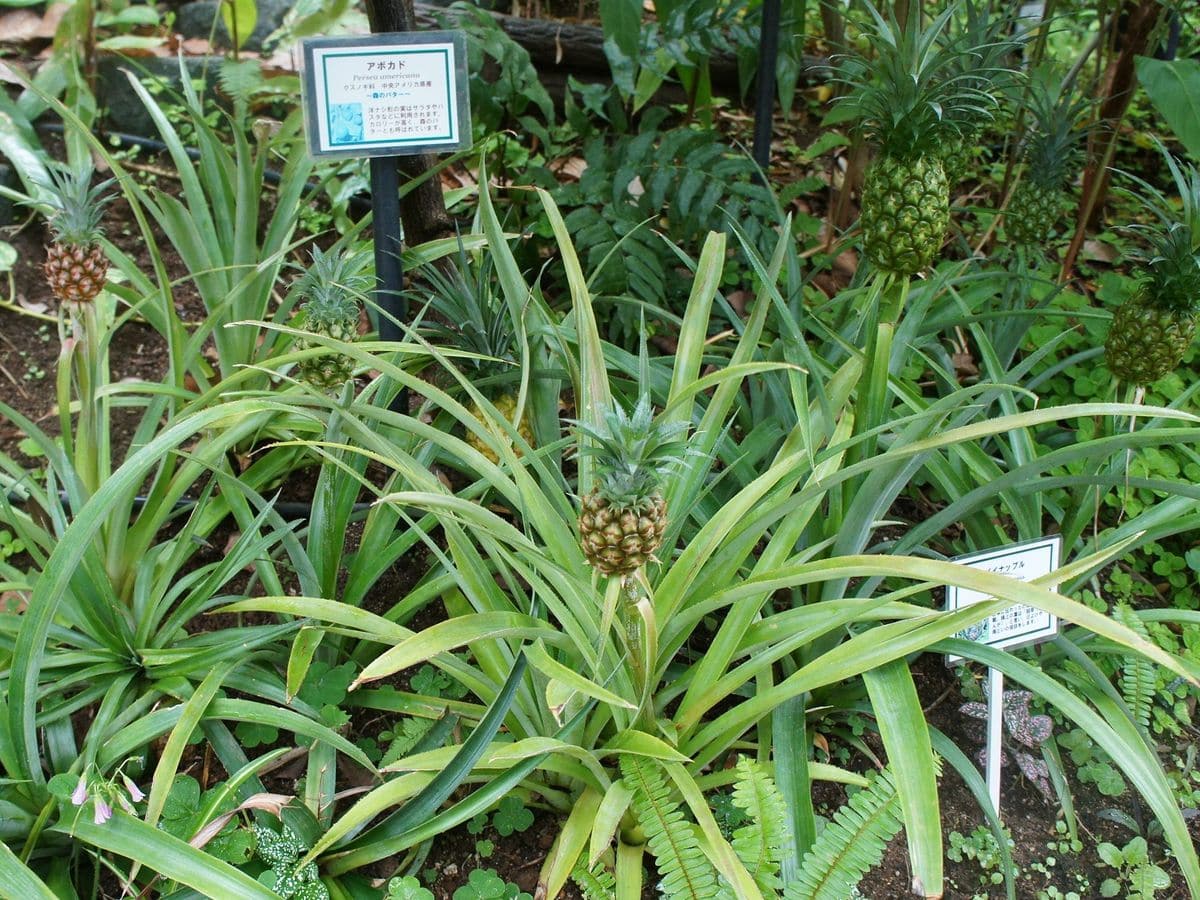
(1036, 206)
(623, 517)
(905, 211)
(912, 101)
(331, 288)
(477, 321)
(958, 154)
(1152, 330)
(76, 266)
(1032, 213)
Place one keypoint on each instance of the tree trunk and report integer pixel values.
(1117, 87)
(1120, 81)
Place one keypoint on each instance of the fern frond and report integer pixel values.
(686, 872)
(1138, 675)
(760, 844)
(596, 883)
(852, 843)
(679, 183)
(240, 79)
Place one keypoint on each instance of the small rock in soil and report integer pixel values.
(126, 112)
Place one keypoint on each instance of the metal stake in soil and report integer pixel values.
(764, 105)
(389, 267)
(386, 16)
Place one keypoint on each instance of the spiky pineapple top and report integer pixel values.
(331, 287)
(979, 43)
(1173, 273)
(920, 89)
(476, 320)
(1052, 143)
(632, 453)
(72, 207)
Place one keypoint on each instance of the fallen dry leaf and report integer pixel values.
(13, 601)
(52, 17)
(1099, 251)
(573, 167)
(20, 25)
(964, 365)
(195, 47)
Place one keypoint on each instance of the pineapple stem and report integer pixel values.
(640, 643)
(87, 443)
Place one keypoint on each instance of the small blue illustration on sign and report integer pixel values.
(345, 123)
(980, 631)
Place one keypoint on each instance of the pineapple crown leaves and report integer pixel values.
(1052, 142)
(632, 452)
(477, 321)
(922, 86)
(1173, 265)
(331, 288)
(71, 205)
(982, 38)
(1174, 270)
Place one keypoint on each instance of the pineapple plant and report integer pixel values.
(1151, 331)
(76, 266)
(478, 322)
(330, 288)
(911, 102)
(623, 517)
(1050, 154)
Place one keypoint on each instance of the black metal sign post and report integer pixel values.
(764, 103)
(384, 17)
(389, 266)
(395, 96)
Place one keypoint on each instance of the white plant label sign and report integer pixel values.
(1018, 625)
(386, 94)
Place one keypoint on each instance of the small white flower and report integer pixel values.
(79, 796)
(135, 792)
(103, 812)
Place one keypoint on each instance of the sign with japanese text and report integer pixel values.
(386, 94)
(1018, 625)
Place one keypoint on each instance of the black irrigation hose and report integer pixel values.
(359, 203)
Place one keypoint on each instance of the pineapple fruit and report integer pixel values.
(478, 322)
(1037, 203)
(905, 212)
(506, 405)
(76, 266)
(331, 288)
(623, 517)
(913, 102)
(1152, 330)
